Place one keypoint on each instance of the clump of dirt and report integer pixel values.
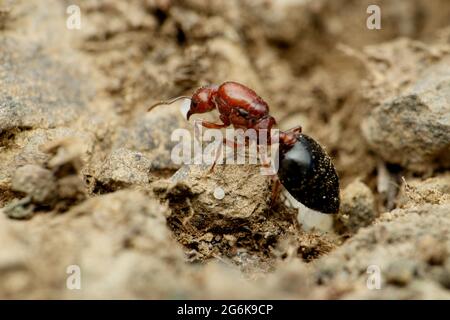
(434, 190)
(409, 124)
(227, 214)
(357, 209)
(56, 185)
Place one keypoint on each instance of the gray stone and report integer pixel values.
(413, 129)
(41, 97)
(36, 182)
(124, 167)
(150, 134)
(20, 209)
(37, 91)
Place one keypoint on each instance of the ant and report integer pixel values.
(237, 105)
(305, 170)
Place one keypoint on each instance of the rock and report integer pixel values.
(123, 168)
(126, 215)
(400, 272)
(357, 208)
(391, 245)
(138, 52)
(40, 97)
(54, 96)
(37, 146)
(245, 191)
(150, 134)
(16, 272)
(410, 124)
(36, 182)
(205, 219)
(66, 159)
(19, 209)
(128, 237)
(57, 187)
(431, 250)
(406, 131)
(71, 189)
(67, 150)
(125, 250)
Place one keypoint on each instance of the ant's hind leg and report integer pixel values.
(276, 187)
(297, 130)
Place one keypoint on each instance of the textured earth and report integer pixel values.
(92, 206)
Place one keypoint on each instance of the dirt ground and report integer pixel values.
(86, 177)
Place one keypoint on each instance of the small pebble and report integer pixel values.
(357, 208)
(36, 182)
(400, 272)
(431, 250)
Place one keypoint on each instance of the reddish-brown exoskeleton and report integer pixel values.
(238, 106)
(305, 169)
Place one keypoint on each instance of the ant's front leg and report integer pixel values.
(206, 124)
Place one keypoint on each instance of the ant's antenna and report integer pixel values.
(167, 102)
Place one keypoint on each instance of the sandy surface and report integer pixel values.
(87, 182)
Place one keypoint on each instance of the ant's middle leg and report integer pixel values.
(232, 144)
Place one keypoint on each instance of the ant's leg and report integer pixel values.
(267, 167)
(218, 152)
(275, 190)
(297, 130)
(210, 125)
(232, 144)
(265, 156)
(265, 160)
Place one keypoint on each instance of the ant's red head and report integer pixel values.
(202, 100)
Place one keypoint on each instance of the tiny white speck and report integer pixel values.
(219, 194)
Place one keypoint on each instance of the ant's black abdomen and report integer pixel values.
(308, 174)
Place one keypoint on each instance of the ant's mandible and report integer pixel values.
(305, 170)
